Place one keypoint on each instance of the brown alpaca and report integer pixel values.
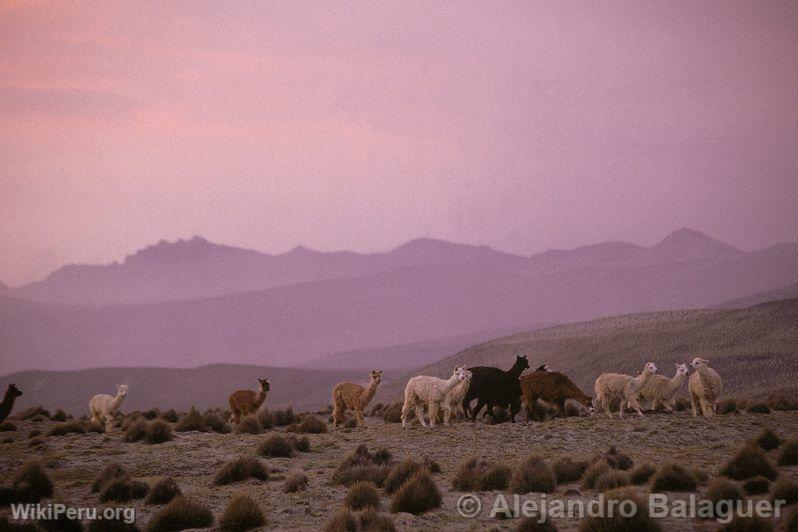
(551, 386)
(245, 402)
(8, 401)
(354, 397)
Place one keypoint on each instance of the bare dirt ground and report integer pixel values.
(193, 458)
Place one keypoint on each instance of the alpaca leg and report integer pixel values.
(621, 408)
(406, 408)
(634, 404)
(433, 413)
(475, 411)
(706, 408)
(447, 412)
(338, 412)
(515, 406)
(420, 413)
(694, 402)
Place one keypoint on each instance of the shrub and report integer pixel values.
(240, 469)
(249, 425)
(727, 406)
(592, 474)
(642, 473)
(7, 426)
(392, 413)
(179, 514)
(749, 461)
(266, 418)
(477, 475)
(68, 427)
(295, 482)
(242, 513)
(342, 521)
(31, 483)
(350, 423)
(788, 454)
(170, 416)
(533, 524)
(616, 459)
(725, 492)
(782, 402)
(216, 423)
(151, 414)
(768, 439)
(193, 420)
(309, 425)
(417, 495)
(284, 417)
(758, 408)
(681, 404)
(747, 524)
(614, 478)
(359, 466)
(361, 495)
(158, 432)
(431, 465)
(785, 490)
(641, 521)
(136, 431)
(123, 489)
(110, 472)
(276, 446)
(33, 412)
(95, 426)
(300, 444)
(673, 477)
(373, 521)
(568, 470)
(163, 491)
(534, 474)
(401, 473)
(756, 485)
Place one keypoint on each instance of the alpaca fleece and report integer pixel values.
(348, 395)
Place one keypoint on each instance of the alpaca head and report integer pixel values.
(13, 391)
(264, 385)
(698, 362)
(521, 362)
(121, 389)
(681, 369)
(650, 368)
(461, 374)
(376, 377)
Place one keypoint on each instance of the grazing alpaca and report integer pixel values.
(245, 402)
(495, 387)
(705, 387)
(354, 397)
(552, 387)
(611, 386)
(435, 393)
(8, 401)
(660, 390)
(103, 407)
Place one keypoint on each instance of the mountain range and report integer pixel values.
(194, 303)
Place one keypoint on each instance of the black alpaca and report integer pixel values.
(495, 387)
(8, 401)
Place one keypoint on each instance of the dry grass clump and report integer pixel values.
(392, 413)
(592, 474)
(74, 426)
(240, 469)
(7, 426)
(788, 454)
(309, 425)
(568, 470)
(109, 473)
(613, 521)
(682, 404)
(727, 406)
(284, 417)
(417, 495)
(360, 465)
(474, 474)
(192, 421)
(350, 423)
(785, 490)
(723, 492)
(266, 418)
(758, 408)
(300, 444)
(750, 461)
(533, 524)
(400, 473)
(276, 446)
(295, 482)
(215, 423)
(163, 491)
(614, 478)
(616, 459)
(782, 402)
(768, 439)
(673, 477)
(747, 524)
(158, 432)
(344, 520)
(791, 523)
(34, 413)
(249, 425)
(123, 489)
(642, 473)
(756, 485)
(361, 495)
(179, 514)
(170, 416)
(534, 474)
(242, 513)
(373, 521)
(135, 431)
(30, 484)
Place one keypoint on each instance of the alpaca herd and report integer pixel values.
(490, 387)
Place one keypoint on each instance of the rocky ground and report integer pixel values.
(192, 458)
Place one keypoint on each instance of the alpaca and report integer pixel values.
(495, 387)
(552, 387)
(8, 401)
(610, 386)
(705, 386)
(662, 391)
(245, 402)
(435, 393)
(103, 407)
(354, 397)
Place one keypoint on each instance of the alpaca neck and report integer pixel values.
(369, 392)
(259, 398)
(516, 370)
(7, 404)
(117, 401)
(678, 380)
(449, 385)
(643, 377)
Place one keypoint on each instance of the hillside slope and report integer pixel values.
(787, 292)
(754, 349)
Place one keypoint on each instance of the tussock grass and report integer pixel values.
(614, 478)
(295, 482)
(673, 477)
(135, 431)
(722, 490)
(592, 473)
(748, 462)
(284, 417)
(215, 423)
(123, 489)
(568, 470)
(249, 425)
(158, 432)
(616, 459)
(534, 474)
(7, 426)
(74, 426)
(344, 520)
(300, 444)
(533, 524)
(768, 439)
(756, 485)
(30, 414)
(309, 425)
(788, 454)
(30, 484)
(163, 491)
(108, 473)
(392, 413)
(416, 496)
(373, 521)
(642, 473)
(362, 495)
(242, 513)
(785, 490)
(474, 474)
(641, 521)
(747, 524)
(192, 421)
(240, 469)
(170, 416)
(179, 514)
(276, 446)
(758, 408)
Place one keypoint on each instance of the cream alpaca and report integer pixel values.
(435, 393)
(103, 407)
(354, 397)
(611, 386)
(660, 390)
(705, 386)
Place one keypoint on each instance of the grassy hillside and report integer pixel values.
(787, 292)
(203, 387)
(754, 349)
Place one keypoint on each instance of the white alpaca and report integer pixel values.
(435, 393)
(611, 386)
(455, 396)
(103, 407)
(705, 386)
(660, 390)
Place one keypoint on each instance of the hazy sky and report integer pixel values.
(526, 126)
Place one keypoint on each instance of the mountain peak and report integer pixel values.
(689, 244)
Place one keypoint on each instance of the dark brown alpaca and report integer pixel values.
(8, 401)
(552, 387)
(245, 402)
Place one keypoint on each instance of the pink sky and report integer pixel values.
(525, 126)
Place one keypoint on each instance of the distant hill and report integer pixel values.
(787, 292)
(754, 349)
(203, 387)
